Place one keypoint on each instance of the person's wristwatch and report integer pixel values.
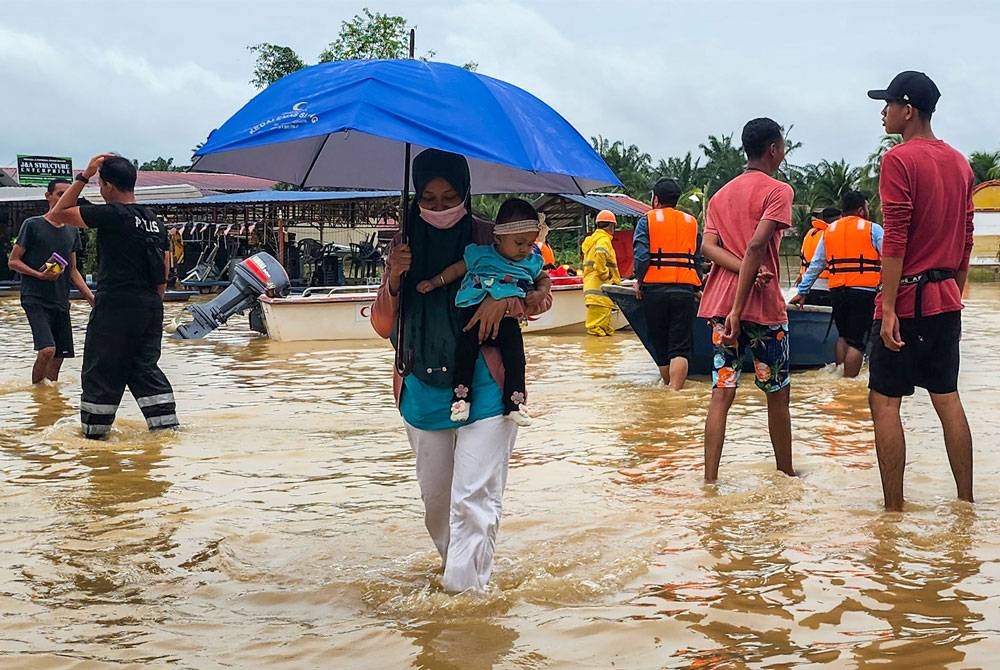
(80, 177)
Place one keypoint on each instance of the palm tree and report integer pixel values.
(790, 146)
(868, 183)
(831, 181)
(685, 170)
(724, 162)
(873, 165)
(632, 166)
(985, 165)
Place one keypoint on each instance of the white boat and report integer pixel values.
(343, 313)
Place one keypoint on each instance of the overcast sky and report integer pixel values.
(151, 79)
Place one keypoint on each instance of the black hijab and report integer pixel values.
(431, 321)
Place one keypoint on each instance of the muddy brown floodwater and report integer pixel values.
(281, 526)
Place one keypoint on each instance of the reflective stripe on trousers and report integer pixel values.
(159, 410)
(96, 429)
(97, 417)
(165, 421)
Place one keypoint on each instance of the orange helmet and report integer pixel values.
(606, 216)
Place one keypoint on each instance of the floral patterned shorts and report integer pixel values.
(769, 346)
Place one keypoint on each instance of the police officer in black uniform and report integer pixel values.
(122, 347)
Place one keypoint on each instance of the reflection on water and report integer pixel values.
(474, 644)
(281, 526)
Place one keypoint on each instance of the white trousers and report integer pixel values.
(462, 473)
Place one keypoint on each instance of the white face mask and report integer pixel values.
(444, 219)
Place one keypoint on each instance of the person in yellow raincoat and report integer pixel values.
(600, 266)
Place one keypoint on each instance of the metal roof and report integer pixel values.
(92, 194)
(258, 197)
(567, 209)
(203, 181)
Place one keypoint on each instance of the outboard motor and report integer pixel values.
(259, 274)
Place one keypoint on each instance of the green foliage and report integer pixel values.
(985, 165)
(161, 164)
(685, 170)
(829, 181)
(632, 166)
(870, 174)
(274, 61)
(369, 35)
(724, 161)
(89, 239)
(487, 206)
(819, 185)
(565, 245)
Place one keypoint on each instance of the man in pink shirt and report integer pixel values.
(743, 227)
(926, 190)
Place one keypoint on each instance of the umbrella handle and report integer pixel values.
(404, 354)
(403, 361)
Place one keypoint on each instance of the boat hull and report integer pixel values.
(346, 316)
(812, 337)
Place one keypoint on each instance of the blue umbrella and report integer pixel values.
(347, 124)
(354, 124)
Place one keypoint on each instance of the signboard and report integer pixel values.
(40, 170)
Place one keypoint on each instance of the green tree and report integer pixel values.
(830, 181)
(274, 61)
(723, 162)
(161, 164)
(686, 170)
(368, 35)
(632, 166)
(870, 172)
(790, 145)
(985, 165)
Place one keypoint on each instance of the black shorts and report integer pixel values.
(929, 357)
(670, 318)
(819, 297)
(853, 313)
(50, 327)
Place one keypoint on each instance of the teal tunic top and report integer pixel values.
(429, 407)
(489, 273)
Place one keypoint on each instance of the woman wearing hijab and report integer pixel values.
(461, 467)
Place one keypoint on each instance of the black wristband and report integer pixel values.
(80, 177)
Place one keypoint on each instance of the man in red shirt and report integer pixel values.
(926, 189)
(743, 227)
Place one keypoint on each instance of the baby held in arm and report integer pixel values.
(506, 269)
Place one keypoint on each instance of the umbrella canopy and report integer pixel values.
(345, 124)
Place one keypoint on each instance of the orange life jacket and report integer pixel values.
(548, 256)
(809, 243)
(850, 255)
(673, 243)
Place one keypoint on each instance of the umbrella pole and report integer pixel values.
(404, 354)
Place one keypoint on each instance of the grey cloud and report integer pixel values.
(663, 75)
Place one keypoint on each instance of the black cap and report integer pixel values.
(667, 188)
(830, 214)
(914, 88)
